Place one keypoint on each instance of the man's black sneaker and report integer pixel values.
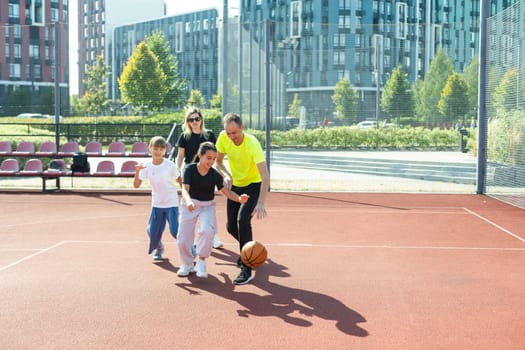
(244, 277)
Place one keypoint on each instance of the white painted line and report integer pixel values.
(495, 225)
(334, 246)
(3, 268)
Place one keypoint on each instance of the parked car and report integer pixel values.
(367, 124)
(30, 115)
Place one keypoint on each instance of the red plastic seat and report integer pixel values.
(69, 149)
(32, 167)
(127, 168)
(105, 168)
(47, 149)
(116, 149)
(5, 148)
(139, 149)
(9, 167)
(93, 149)
(24, 149)
(59, 169)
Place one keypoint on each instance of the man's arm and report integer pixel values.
(221, 168)
(260, 209)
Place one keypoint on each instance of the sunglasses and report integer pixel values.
(196, 119)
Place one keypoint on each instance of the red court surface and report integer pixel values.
(345, 271)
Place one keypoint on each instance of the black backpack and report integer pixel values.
(80, 163)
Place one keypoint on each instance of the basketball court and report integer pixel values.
(345, 271)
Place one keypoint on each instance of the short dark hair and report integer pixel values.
(232, 117)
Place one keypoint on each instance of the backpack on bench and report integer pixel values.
(80, 163)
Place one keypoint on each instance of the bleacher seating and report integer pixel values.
(58, 166)
(5, 148)
(24, 149)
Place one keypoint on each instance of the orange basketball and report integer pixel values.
(254, 254)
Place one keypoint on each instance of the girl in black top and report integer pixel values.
(198, 206)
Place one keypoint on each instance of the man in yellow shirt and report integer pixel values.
(247, 174)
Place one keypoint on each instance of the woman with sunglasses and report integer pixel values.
(194, 133)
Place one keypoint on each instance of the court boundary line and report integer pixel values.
(30, 256)
(287, 245)
(501, 228)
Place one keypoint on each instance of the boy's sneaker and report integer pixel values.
(217, 242)
(200, 267)
(158, 252)
(244, 277)
(185, 270)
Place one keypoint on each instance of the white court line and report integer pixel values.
(70, 219)
(495, 225)
(331, 246)
(31, 256)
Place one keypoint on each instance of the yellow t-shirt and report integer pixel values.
(242, 159)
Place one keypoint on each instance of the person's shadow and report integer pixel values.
(281, 301)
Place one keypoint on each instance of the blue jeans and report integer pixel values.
(157, 224)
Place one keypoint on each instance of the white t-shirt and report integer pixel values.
(162, 178)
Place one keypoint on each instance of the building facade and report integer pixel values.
(315, 43)
(27, 55)
(96, 20)
(193, 38)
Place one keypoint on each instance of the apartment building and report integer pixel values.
(28, 39)
(193, 38)
(96, 20)
(315, 43)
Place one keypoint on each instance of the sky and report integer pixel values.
(173, 7)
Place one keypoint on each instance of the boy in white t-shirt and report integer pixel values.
(163, 176)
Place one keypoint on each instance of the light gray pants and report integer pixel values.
(204, 215)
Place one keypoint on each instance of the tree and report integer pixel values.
(196, 99)
(169, 65)
(294, 109)
(78, 108)
(397, 99)
(143, 83)
(504, 97)
(216, 101)
(471, 75)
(454, 101)
(345, 100)
(95, 98)
(429, 90)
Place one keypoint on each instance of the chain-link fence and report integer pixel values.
(506, 104)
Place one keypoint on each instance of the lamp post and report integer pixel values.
(378, 42)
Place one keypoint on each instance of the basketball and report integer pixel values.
(254, 254)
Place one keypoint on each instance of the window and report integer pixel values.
(17, 50)
(14, 70)
(17, 31)
(295, 19)
(179, 36)
(344, 22)
(38, 15)
(6, 50)
(34, 51)
(339, 39)
(401, 21)
(339, 57)
(436, 40)
(344, 4)
(14, 10)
